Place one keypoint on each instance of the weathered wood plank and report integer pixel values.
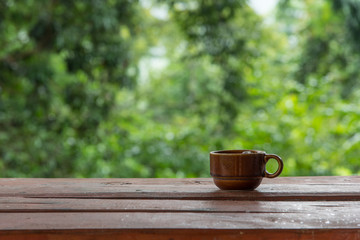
(184, 234)
(181, 181)
(164, 220)
(282, 208)
(15, 204)
(284, 189)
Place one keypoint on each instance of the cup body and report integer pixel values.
(237, 169)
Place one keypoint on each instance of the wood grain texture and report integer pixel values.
(282, 208)
(37, 205)
(279, 189)
(184, 234)
(180, 220)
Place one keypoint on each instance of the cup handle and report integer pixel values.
(280, 167)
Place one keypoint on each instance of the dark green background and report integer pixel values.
(114, 89)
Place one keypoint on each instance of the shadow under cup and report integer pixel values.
(241, 169)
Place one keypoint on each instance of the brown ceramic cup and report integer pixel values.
(241, 169)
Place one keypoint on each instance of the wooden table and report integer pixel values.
(281, 208)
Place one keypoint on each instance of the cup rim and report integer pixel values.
(236, 152)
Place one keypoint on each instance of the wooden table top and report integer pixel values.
(285, 207)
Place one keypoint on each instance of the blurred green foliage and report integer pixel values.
(147, 88)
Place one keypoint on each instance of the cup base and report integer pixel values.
(248, 183)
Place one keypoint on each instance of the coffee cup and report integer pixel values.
(241, 169)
